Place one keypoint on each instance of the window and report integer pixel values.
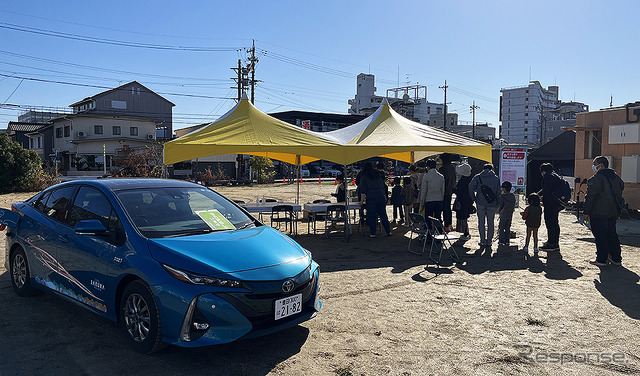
(429, 110)
(526, 129)
(121, 105)
(526, 114)
(526, 91)
(90, 203)
(57, 203)
(525, 136)
(117, 130)
(592, 144)
(97, 129)
(526, 121)
(59, 132)
(133, 131)
(526, 99)
(67, 130)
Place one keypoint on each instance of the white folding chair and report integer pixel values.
(441, 240)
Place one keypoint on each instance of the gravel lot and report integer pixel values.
(384, 313)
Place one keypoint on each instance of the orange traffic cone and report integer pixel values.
(284, 180)
(353, 181)
(335, 181)
(300, 180)
(319, 179)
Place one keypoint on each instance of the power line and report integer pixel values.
(107, 87)
(57, 34)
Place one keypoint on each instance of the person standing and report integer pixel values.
(532, 216)
(432, 191)
(375, 192)
(396, 200)
(340, 189)
(416, 179)
(486, 201)
(448, 171)
(506, 206)
(407, 199)
(550, 181)
(463, 205)
(600, 208)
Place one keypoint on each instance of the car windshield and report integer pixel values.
(170, 212)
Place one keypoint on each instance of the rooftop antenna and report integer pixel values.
(611, 103)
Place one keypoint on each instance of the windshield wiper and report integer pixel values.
(191, 232)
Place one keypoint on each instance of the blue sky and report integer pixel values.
(311, 52)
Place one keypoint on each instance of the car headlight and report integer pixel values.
(197, 279)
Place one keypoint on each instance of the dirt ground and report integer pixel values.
(385, 312)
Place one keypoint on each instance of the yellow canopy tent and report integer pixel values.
(247, 130)
(388, 134)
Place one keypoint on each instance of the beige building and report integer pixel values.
(614, 133)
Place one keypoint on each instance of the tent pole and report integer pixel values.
(347, 229)
(298, 179)
(413, 157)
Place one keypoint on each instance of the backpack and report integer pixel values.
(488, 194)
(621, 205)
(562, 192)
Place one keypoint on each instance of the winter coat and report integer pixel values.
(432, 187)
(449, 174)
(550, 182)
(396, 199)
(462, 195)
(490, 180)
(532, 216)
(506, 204)
(407, 195)
(373, 188)
(599, 201)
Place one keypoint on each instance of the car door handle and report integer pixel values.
(63, 238)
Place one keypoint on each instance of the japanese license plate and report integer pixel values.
(288, 306)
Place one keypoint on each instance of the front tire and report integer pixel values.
(140, 319)
(20, 275)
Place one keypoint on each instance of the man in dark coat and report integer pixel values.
(449, 172)
(550, 181)
(600, 208)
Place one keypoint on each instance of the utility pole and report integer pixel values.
(473, 124)
(251, 66)
(238, 80)
(444, 127)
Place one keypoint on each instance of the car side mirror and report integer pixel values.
(90, 227)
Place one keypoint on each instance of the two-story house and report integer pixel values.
(101, 125)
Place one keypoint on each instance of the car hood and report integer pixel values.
(250, 254)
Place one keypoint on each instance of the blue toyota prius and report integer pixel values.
(173, 262)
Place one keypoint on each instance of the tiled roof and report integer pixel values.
(24, 127)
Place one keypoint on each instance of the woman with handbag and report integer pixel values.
(463, 205)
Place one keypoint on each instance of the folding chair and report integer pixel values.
(316, 217)
(283, 214)
(418, 226)
(442, 240)
(336, 214)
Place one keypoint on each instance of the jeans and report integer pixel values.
(607, 242)
(377, 207)
(432, 209)
(446, 210)
(504, 228)
(486, 214)
(553, 227)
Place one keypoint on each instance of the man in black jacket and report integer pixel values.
(600, 208)
(449, 172)
(550, 181)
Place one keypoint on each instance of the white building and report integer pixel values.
(410, 101)
(523, 111)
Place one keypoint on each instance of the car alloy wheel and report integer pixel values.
(20, 274)
(137, 318)
(140, 319)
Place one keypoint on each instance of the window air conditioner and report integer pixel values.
(82, 134)
(150, 137)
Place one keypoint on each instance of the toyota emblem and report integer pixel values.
(288, 285)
